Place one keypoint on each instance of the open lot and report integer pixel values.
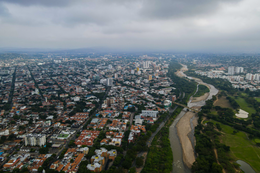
(222, 102)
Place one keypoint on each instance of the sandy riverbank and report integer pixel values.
(198, 99)
(183, 129)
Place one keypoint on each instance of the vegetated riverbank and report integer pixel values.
(202, 89)
(160, 156)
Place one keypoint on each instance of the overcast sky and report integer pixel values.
(177, 25)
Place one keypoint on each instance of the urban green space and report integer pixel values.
(241, 147)
(244, 105)
(63, 135)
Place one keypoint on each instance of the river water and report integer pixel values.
(178, 164)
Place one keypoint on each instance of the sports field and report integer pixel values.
(63, 135)
(243, 105)
(241, 147)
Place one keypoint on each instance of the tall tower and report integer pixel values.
(231, 70)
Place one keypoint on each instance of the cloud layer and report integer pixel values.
(175, 25)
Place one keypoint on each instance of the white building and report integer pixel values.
(249, 76)
(35, 139)
(116, 75)
(109, 82)
(146, 64)
(4, 132)
(231, 70)
(146, 113)
(256, 77)
(103, 81)
(239, 70)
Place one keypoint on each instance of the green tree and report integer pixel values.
(139, 162)
(132, 170)
(40, 169)
(216, 168)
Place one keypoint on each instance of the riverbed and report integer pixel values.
(182, 130)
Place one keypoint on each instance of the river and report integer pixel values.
(178, 164)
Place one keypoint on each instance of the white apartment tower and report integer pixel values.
(239, 70)
(109, 82)
(231, 70)
(256, 77)
(116, 75)
(249, 76)
(35, 139)
(146, 64)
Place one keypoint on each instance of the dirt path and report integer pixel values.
(183, 129)
(138, 170)
(216, 154)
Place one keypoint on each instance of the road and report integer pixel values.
(131, 119)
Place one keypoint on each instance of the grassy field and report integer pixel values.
(243, 105)
(257, 99)
(223, 102)
(241, 147)
(257, 140)
(63, 135)
(201, 91)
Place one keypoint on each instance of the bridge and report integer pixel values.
(182, 105)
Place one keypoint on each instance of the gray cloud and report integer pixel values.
(167, 9)
(3, 11)
(48, 3)
(131, 24)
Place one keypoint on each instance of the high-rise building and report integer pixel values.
(110, 66)
(231, 70)
(249, 76)
(35, 139)
(256, 77)
(116, 75)
(239, 70)
(173, 98)
(132, 72)
(146, 64)
(109, 81)
(150, 77)
(121, 104)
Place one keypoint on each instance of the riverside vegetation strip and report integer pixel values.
(202, 89)
(241, 135)
(160, 158)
